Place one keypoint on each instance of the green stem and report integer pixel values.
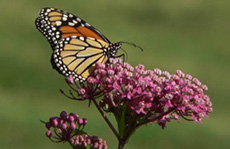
(121, 144)
(121, 123)
(105, 118)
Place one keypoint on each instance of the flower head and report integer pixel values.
(66, 126)
(69, 128)
(151, 94)
(154, 96)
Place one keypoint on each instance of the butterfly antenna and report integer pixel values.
(132, 44)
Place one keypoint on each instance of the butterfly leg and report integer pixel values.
(122, 56)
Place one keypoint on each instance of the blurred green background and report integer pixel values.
(191, 35)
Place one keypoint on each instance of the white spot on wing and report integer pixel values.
(81, 38)
(91, 38)
(64, 18)
(87, 24)
(74, 21)
(58, 23)
(71, 24)
(78, 19)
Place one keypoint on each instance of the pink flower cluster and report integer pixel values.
(64, 127)
(69, 128)
(147, 95)
(88, 141)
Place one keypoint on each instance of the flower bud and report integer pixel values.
(48, 125)
(72, 126)
(76, 117)
(70, 119)
(85, 121)
(70, 80)
(81, 121)
(54, 121)
(64, 126)
(49, 133)
(63, 115)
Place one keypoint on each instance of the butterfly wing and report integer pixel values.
(77, 45)
(77, 56)
(44, 29)
(56, 24)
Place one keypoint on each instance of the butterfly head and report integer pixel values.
(112, 49)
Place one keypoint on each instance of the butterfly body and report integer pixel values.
(77, 46)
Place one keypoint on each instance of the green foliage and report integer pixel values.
(188, 35)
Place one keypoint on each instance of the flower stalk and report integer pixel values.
(106, 119)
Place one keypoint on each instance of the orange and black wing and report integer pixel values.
(77, 56)
(56, 24)
(77, 45)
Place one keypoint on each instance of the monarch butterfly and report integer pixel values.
(77, 46)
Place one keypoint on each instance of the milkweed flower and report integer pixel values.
(138, 96)
(154, 96)
(69, 128)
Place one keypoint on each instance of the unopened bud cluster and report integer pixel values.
(63, 128)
